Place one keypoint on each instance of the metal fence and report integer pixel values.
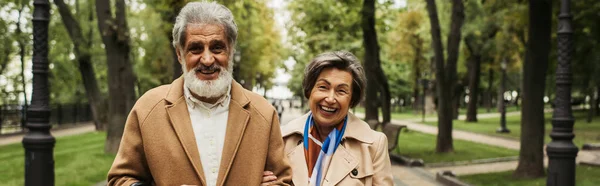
(12, 117)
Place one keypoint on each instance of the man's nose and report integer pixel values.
(207, 58)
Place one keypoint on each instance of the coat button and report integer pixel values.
(354, 172)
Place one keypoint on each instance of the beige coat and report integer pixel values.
(361, 159)
(159, 146)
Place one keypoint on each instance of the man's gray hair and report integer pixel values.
(341, 60)
(204, 13)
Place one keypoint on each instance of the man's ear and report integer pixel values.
(178, 52)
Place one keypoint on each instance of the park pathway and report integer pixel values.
(75, 129)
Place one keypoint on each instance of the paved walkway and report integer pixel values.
(56, 132)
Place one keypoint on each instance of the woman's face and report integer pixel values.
(330, 98)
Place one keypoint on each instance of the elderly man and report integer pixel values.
(204, 128)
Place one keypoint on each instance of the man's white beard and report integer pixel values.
(208, 88)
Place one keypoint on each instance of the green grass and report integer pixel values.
(585, 175)
(584, 132)
(420, 145)
(79, 160)
(483, 110)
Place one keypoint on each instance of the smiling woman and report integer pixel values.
(329, 145)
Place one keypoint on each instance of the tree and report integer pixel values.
(445, 73)
(82, 46)
(373, 71)
(115, 36)
(531, 156)
(168, 9)
(477, 42)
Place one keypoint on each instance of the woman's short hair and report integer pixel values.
(341, 60)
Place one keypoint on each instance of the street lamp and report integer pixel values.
(38, 142)
(503, 128)
(561, 150)
(425, 84)
(237, 57)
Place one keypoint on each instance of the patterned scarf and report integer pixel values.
(318, 155)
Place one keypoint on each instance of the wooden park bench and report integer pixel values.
(392, 131)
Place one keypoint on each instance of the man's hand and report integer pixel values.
(268, 178)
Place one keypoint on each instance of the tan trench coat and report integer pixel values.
(159, 146)
(361, 159)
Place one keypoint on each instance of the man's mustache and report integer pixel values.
(213, 67)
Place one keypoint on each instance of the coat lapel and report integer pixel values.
(342, 163)
(299, 167)
(181, 123)
(236, 125)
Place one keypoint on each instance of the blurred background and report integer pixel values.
(478, 58)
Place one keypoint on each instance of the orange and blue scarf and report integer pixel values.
(318, 155)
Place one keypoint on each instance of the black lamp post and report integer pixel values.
(237, 56)
(38, 143)
(503, 128)
(425, 84)
(561, 150)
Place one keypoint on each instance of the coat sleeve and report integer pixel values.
(130, 164)
(276, 160)
(382, 166)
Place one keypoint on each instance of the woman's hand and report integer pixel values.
(268, 178)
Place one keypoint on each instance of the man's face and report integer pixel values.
(204, 58)
(206, 50)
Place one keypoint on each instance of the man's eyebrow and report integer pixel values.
(194, 44)
(217, 41)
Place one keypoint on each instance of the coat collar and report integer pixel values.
(343, 159)
(182, 125)
(356, 128)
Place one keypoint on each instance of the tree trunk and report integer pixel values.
(593, 102)
(531, 155)
(474, 75)
(597, 106)
(82, 47)
(445, 74)
(489, 93)
(474, 71)
(377, 82)
(121, 80)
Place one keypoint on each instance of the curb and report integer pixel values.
(449, 179)
(473, 162)
(406, 161)
(589, 146)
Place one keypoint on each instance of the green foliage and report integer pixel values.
(151, 49)
(66, 85)
(259, 42)
(321, 26)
